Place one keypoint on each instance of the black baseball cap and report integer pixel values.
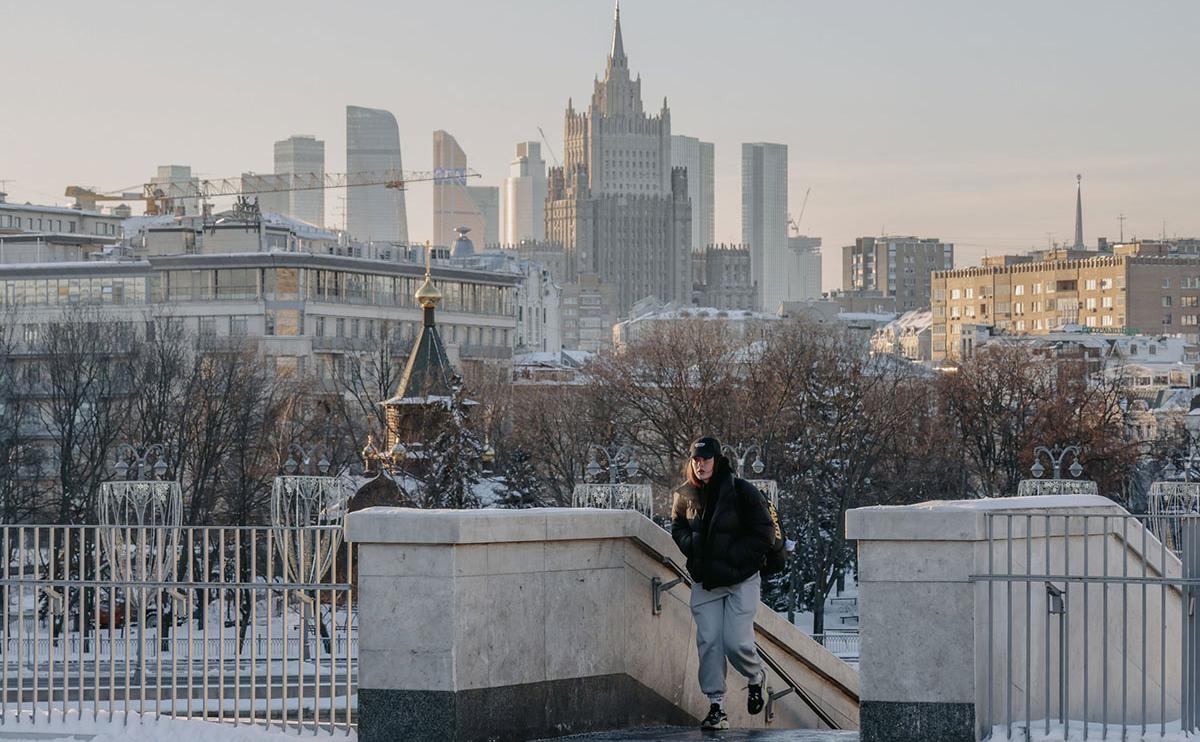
(706, 448)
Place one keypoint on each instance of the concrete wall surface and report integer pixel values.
(947, 655)
(521, 624)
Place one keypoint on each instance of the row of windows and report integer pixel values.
(342, 287)
(47, 224)
(56, 291)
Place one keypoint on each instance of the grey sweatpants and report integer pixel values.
(725, 629)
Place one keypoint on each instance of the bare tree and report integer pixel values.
(88, 375)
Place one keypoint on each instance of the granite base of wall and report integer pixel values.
(513, 713)
(884, 721)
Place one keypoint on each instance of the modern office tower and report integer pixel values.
(178, 179)
(374, 213)
(487, 203)
(453, 206)
(804, 267)
(895, 266)
(616, 205)
(697, 157)
(764, 219)
(302, 153)
(524, 215)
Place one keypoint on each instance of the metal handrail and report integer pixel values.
(682, 577)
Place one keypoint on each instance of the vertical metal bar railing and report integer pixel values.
(87, 625)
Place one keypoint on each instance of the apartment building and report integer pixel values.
(1141, 288)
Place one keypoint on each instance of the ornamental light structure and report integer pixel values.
(738, 456)
(303, 499)
(140, 515)
(1175, 502)
(613, 494)
(1056, 456)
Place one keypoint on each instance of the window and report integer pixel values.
(1090, 284)
(340, 327)
(1166, 301)
(237, 326)
(1166, 284)
(971, 293)
(355, 327)
(1190, 320)
(1091, 302)
(1019, 289)
(955, 294)
(1018, 308)
(1166, 319)
(1153, 350)
(1106, 283)
(319, 330)
(1106, 302)
(1037, 288)
(1090, 321)
(1106, 320)
(208, 326)
(269, 322)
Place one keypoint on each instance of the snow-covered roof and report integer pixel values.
(678, 312)
(866, 316)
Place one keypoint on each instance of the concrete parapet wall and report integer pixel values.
(518, 624)
(935, 659)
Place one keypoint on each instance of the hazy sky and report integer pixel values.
(961, 120)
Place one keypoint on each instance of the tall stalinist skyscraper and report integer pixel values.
(616, 205)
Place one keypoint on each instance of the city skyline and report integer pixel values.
(967, 123)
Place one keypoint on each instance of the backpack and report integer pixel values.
(776, 558)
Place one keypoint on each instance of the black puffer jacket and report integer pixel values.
(724, 528)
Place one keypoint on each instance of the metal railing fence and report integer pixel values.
(1090, 627)
(842, 644)
(223, 636)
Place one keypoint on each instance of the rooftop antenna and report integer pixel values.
(1121, 219)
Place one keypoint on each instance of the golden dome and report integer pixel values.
(428, 295)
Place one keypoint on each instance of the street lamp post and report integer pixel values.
(614, 493)
(1057, 484)
(739, 455)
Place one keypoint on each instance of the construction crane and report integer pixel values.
(795, 223)
(160, 196)
(547, 143)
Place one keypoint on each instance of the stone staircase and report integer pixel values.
(683, 734)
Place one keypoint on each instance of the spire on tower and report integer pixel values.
(1079, 212)
(617, 57)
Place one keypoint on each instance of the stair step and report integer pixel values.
(684, 734)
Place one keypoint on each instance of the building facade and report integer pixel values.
(1139, 289)
(179, 177)
(487, 201)
(453, 206)
(374, 213)
(589, 310)
(896, 266)
(302, 153)
(291, 292)
(618, 208)
(698, 158)
(524, 196)
(764, 220)
(33, 219)
(723, 278)
(804, 267)
(740, 324)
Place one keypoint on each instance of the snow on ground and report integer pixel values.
(1171, 733)
(138, 728)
